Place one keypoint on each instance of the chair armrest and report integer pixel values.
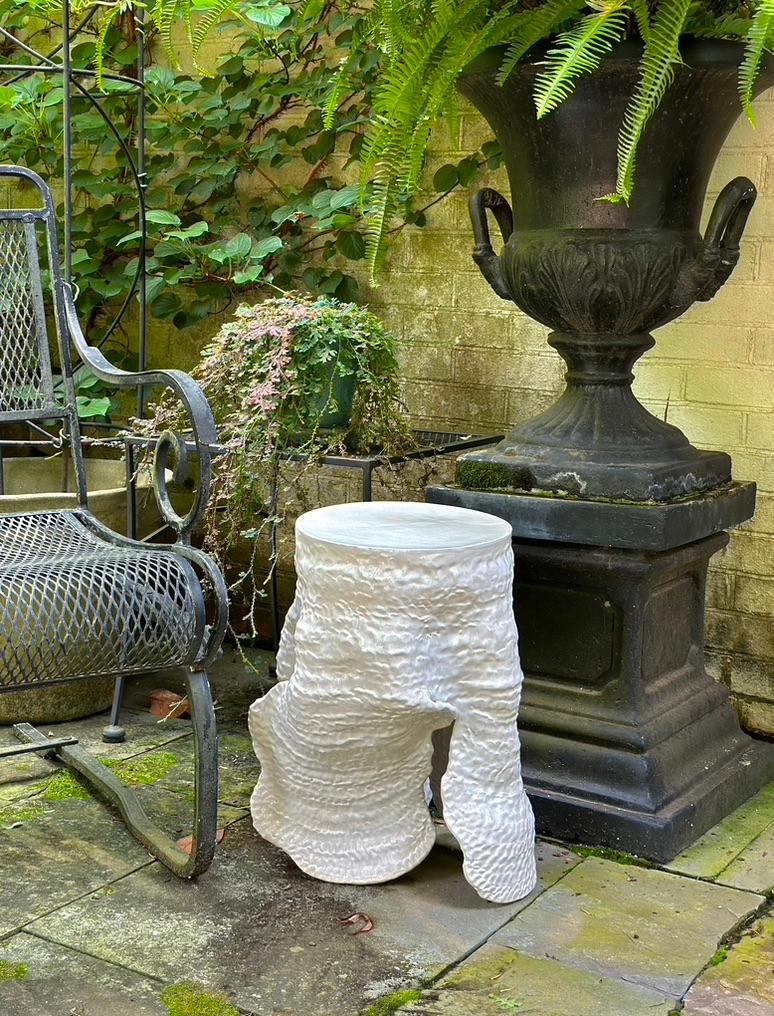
(170, 446)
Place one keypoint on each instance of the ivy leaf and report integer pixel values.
(344, 198)
(322, 200)
(284, 213)
(351, 245)
(238, 247)
(166, 305)
(87, 380)
(162, 218)
(339, 221)
(153, 286)
(88, 407)
(446, 178)
(266, 247)
(493, 154)
(248, 276)
(136, 235)
(267, 15)
(348, 290)
(189, 233)
(467, 170)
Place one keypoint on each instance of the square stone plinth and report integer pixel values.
(632, 525)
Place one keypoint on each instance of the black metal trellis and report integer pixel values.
(73, 87)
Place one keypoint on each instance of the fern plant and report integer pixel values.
(424, 46)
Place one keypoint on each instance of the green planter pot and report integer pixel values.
(340, 398)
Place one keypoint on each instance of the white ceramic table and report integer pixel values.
(402, 623)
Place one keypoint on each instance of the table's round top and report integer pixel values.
(402, 526)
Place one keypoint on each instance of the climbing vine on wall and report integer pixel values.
(249, 192)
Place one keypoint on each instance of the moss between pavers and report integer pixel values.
(506, 1004)
(65, 786)
(237, 744)
(473, 974)
(391, 1003)
(138, 772)
(22, 811)
(742, 963)
(12, 971)
(191, 1000)
(143, 771)
(613, 855)
(720, 957)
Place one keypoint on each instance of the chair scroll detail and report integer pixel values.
(77, 600)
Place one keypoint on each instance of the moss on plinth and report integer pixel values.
(474, 475)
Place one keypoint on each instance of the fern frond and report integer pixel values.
(164, 15)
(424, 50)
(579, 52)
(758, 41)
(704, 26)
(216, 12)
(539, 25)
(657, 70)
(641, 14)
(107, 22)
(342, 83)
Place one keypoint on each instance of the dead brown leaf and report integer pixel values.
(358, 918)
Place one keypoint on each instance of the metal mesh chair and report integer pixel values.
(78, 601)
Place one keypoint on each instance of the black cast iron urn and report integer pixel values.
(603, 275)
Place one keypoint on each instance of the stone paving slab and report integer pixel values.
(495, 981)
(268, 936)
(59, 841)
(640, 925)
(753, 869)
(742, 983)
(238, 768)
(67, 849)
(719, 847)
(39, 978)
(17, 774)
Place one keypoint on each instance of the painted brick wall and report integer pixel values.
(474, 363)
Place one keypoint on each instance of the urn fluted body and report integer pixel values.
(603, 275)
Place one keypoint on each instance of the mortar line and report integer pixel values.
(736, 930)
(76, 899)
(25, 929)
(658, 866)
(736, 857)
(469, 952)
(736, 933)
(156, 747)
(83, 952)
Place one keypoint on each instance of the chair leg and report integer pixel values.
(114, 733)
(109, 787)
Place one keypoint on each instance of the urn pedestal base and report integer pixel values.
(570, 472)
(627, 742)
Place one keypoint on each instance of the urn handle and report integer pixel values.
(483, 254)
(724, 231)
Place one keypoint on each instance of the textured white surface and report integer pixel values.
(402, 622)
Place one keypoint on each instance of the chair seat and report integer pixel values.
(75, 605)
